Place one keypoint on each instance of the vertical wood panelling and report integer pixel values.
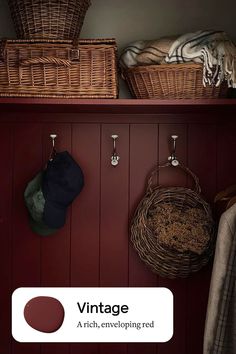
(202, 157)
(226, 151)
(85, 216)
(55, 249)
(25, 244)
(201, 143)
(114, 216)
(93, 248)
(143, 157)
(85, 209)
(114, 208)
(5, 232)
(174, 177)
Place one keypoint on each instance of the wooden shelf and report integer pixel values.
(116, 110)
(131, 106)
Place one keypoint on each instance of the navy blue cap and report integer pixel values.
(61, 183)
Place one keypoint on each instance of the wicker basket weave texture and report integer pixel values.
(50, 19)
(40, 68)
(165, 261)
(170, 81)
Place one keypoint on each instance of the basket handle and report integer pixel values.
(196, 188)
(46, 60)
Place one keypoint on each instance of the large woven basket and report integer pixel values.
(50, 19)
(40, 68)
(162, 259)
(170, 81)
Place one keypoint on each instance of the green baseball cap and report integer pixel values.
(35, 202)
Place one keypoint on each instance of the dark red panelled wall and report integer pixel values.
(93, 249)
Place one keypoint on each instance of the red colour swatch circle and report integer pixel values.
(44, 313)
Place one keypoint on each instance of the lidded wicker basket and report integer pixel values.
(58, 68)
(164, 248)
(49, 19)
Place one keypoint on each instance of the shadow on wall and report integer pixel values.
(6, 24)
(137, 19)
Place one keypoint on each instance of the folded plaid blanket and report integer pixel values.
(146, 52)
(212, 48)
(129, 55)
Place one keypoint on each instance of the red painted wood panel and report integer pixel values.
(114, 216)
(174, 177)
(62, 259)
(201, 143)
(86, 208)
(56, 248)
(114, 208)
(143, 157)
(25, 244)
(6, 149)
(202, 156)
(226, 150)
(85, 243)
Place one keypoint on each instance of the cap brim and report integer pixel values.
(40, 228)
(53, 216)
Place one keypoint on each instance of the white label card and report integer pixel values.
(93, 315)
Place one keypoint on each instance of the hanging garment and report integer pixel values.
(49, 194)
(220, 326)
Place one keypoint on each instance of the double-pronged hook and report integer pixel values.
(173, 159)
(115, 158)
(53, 151)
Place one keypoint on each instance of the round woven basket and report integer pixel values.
(54, 19)
(163, 259)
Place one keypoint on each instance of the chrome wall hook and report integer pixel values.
(53, 137)
(173, 159)
(114, 158)
(53, 151)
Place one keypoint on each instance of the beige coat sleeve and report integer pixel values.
(223, 248)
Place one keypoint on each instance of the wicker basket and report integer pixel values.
(163, 260)
(170, 81)
(59, 68)
(54, 19)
